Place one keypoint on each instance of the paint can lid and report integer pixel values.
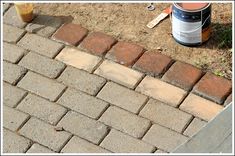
(192, 6)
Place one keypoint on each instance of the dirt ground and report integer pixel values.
(128, 22)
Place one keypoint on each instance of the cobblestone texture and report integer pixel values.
(12, 53)
(12, 34)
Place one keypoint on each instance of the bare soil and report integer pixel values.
(127, 22)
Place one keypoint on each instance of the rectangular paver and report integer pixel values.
(83, 103)
(194, 127)
(78, 145)
(161, 91)
(43, 65)
(200, 107)
(119, 142)
(41, 86)
(13, 143)
(13, 119)
(78, 59)
(125, 121)
(12, 34)
(119, 73)
(40, 45)
(84, 127)
(12, 95)
(11, 18)
(12, 53)
(12, 72)
(82, 80)
(41, 108)
(166, 115)
(44, 134)
(122, 97)
(36, 148)
(164, 138)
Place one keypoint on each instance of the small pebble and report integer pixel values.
(159, 49)
(58, 128)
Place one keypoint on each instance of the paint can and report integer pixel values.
(191, 23)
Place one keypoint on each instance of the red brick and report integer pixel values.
(182, 75)
(153, 63)
(228, 100)
(70, 33)
(125, 53)
(213, 87)
(98, 43)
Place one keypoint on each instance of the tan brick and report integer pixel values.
(42, 86)
(119, 73)
(36, 148)
(119, 142)
(12, 53)
(41, 108)
(78, 59)
(83, 103)
(194, 127)
(84, 127)
(125, 121)
(161, 91)
(164, 138)
(13, 143)
(200, 107)
(13, 119)
(166, 115)
(44, 134)
(12, 34)
(122, 97)
(78, 145)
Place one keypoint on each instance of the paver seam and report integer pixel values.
(187, 124)
(144, 104)
(20, 78)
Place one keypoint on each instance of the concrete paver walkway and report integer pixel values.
(68, 90)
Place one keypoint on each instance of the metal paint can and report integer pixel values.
(191, 23)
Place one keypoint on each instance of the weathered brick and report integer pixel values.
(122, 97)
(121, 143)
(194, 127)
(153, 63)
(125, 53)
(162, 91)
(44, 134)
(11, 17)
(12, 73)
(78, 145)
(12, 34)
(78, 59)
(98, 43)
(182, 75)
(44, 25)
(70, 33)
(82, 103)
(12, 95)
(36, 148)
(43, 65)
(41, 108)
(40, 45)
(12, 53)
(13, 119)
(118, 73)
(164, 138)
(213, 87)
(200, 107)
(6, 6)
(125, 121)
(166, 115)
(41, 86)
(85, 127)
(82, 80)
(228, 100)
(13, 143)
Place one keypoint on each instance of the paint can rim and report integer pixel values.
(187, 10)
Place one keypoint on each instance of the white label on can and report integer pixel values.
(187, 32)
